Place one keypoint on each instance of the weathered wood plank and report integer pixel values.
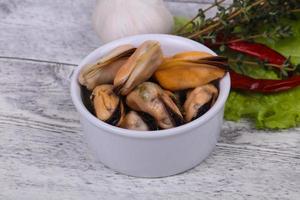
(242, 133)
(53, 30)
(226, 175)
(42, 151)
(56, 30)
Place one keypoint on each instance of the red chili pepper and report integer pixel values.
(260, 51)
(239, 81)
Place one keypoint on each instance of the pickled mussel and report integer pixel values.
(199, 101)
(104, 70)
(108, 106)
(150, 98)
(192, 71)
(139, 121)
(137, 88)
(139, 67)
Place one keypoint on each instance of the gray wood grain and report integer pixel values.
(49, 30)
(56, 30)
(42, 150)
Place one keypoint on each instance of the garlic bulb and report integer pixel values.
(113, 19)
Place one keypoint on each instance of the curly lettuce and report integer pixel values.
(269, 111)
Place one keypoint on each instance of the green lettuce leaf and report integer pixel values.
(273, 111)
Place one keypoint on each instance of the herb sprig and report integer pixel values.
(242, 18)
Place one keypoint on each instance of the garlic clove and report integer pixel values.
(113, 19)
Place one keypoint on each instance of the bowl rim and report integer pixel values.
(213, 111)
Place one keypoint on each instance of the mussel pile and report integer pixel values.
(140, 89)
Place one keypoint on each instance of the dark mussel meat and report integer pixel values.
(107, 105)
(150, 98)
(139, 121)
(199, 101)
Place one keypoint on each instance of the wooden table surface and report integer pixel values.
(42, 151)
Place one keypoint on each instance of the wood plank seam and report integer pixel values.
(36, 60)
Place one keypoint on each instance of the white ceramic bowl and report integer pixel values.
(154, 153)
